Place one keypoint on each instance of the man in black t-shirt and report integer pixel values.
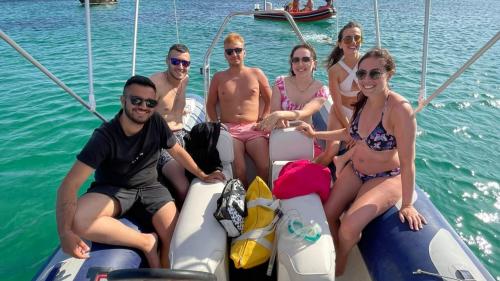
(123, 152)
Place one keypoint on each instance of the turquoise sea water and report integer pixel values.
(42, 128)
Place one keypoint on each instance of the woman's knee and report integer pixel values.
(349, 229)
(332, 149)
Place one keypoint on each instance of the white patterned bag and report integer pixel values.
(231, 210)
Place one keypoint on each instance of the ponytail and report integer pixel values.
(334, 56)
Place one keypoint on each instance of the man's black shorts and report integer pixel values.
(152, 198)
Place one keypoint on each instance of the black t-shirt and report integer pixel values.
(127, 161)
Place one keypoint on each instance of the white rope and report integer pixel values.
(89, 54)
(452, 78)
(176, 23)
(423, 91)
(336, 20)
(134, 47)
(377, 23)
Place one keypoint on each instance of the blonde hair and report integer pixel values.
(234, 37)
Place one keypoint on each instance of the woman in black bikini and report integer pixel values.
(382, 170)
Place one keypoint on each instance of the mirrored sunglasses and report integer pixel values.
(374, 74)
(303, 59)
(230, 51)
(352, 38)
(135, 100)
(176, 61)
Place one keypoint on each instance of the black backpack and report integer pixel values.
(231, 210)
(201, 144)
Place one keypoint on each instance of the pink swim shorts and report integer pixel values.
(245, 132)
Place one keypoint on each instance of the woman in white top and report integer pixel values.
(342, 65)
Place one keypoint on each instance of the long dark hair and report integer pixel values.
(389, 66)
(301, 46)
(337, 52)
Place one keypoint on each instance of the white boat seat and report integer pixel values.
(299, 260)
(226, 152)
(287, 145)
(199, 242)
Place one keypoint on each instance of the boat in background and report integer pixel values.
(322, 13)
(100, 2)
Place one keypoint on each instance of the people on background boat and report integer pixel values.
(296, 96)
(294, 6)
(308, 7)
(382, 169)
(342, 66)
(123, 153)
(328, 5)
(243, 95)
(171, 87)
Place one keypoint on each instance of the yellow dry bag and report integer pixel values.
(255, 244)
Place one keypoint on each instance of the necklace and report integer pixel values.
(298, 88)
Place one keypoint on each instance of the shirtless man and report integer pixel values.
(171, 88)
(238, 91)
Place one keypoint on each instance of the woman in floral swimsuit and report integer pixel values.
(296, 96)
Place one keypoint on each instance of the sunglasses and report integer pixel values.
(352, 38)
(230, 51)
(184, 63)
(303, 59)
(374, 74)
(135, 100)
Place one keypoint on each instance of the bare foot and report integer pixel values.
(151, 252)
(339, 162)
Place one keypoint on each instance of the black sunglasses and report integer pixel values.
(230, 51)
(304, 59)
(374, 74)
(176, 61)
(135, 100)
